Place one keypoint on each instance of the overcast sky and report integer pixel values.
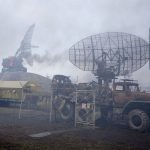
(62, 23)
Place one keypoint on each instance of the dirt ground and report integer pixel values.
(14, 134)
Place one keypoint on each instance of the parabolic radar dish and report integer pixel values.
(123, 52)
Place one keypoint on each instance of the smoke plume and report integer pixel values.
(46, 58)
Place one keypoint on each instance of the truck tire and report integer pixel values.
(64, 110)
(138, 120)
(67, 112)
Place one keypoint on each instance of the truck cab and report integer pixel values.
(125, 91)
(131, 104)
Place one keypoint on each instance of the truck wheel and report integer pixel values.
(138, 120)
(67, 112)
(64, 109)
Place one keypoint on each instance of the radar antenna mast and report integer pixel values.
(14, 63)
(115, 54)
(25, 45)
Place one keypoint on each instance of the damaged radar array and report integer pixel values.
(15, 63)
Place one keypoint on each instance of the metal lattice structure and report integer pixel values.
(25, 45)
(85, 108)
(122, 52)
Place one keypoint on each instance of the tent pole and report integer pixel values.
(51, 103)
(20, 109)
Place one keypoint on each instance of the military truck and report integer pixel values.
(124, 102)
(131, 104)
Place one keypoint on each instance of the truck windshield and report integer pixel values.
(132, 88)
(119, 88)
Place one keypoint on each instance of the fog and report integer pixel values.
(62, 23)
